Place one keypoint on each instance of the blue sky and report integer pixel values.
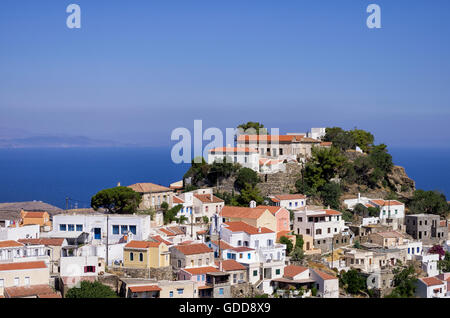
(138, 69)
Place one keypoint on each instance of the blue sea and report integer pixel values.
(51, 175)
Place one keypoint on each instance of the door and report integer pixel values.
(97, 233)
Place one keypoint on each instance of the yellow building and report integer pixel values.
(41, 218)
(146, 254)
(257, 217)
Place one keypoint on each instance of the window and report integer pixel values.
(199, 262)
(115, 229)
(62, 227)
(255, 273)
(171, 294)
(131, 256)
(290, 204)
(133, 229)
(180, 291)
(249, 255)
(203, 277)
(141, 257)
(308, 231)
(198, 277)
(123, 229)
(239, 243)
(220, 291)
(27, 281)
(277, 271)
(71, 227)
(79, 227)
(16, 281)
(2, 283)
(89, 269)
(241, 255)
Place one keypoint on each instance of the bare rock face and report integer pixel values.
(398, 179)
(280, 182)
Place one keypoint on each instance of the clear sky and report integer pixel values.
(138, 69)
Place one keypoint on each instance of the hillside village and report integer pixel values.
(290, 216)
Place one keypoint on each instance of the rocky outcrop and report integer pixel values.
(399, 180)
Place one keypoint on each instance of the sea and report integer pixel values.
(53, 174)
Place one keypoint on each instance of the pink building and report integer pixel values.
(282, 215)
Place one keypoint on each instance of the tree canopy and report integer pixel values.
(432, 202)
(253, 128)
(353, 282)
(91, 290)
(404, 283)
(246, 176)
(120, 200)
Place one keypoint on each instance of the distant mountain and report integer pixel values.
(58, 142)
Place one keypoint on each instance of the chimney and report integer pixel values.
(259, 229)
(210, 196)
(328, 207)
(220, 266)
(359, 197)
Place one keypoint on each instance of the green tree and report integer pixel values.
(221, 170)
(299, 241)
(91, 290)
(404, 283)
(444, 265)
(381, 159)
(117, 200)
(170, 215)
(432, 202)
(330, 194)
(198, 170)
(249, 193)
(340, 138)
(288, 242)
(361, 210)
(353, 282)
(246, 176)
(363, 139)
(347, 216)
(253, 127)
(297, 254)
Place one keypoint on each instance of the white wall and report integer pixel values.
(17, 233)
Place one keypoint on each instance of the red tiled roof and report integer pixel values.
(142, 244)
(233, 150)
(34, 214)
(145, 288)
(241, 212)
(326, 143)
(293, 270)
(289, 196)
(271, 138)
(208, 198)
(160, 239)
(200, 270)
(43, 241)
(223, 245)
(10, 243)
(148, 187)
(40, 291)
(273, 209)
(242, 249)
(230, 265)
(177, 200)
(386, 202)
(431, 281)
(22, 265)
(193, 249)
(284, 233)
(323, 275)
(244, 227)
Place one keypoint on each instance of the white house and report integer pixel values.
(270, 255)
(245, 156)
(322, 225)
(289, 201)
(92, 228)
(15, 233)
(431, 287)
(392, 212)
(13, 251)
(429, 263)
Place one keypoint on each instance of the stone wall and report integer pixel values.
(280, 182)
(163, 273)
(244, 290)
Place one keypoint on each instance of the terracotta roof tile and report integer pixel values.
(323, 275)
(192, 249)
(43, 241)
(207, 198)
(293, 270)
(22, 266)
(230, 265)
(290, 197)
(200, 270)
(431, 281)
(244, 227)
(28, 291)
(10, 243)
(177, 200)
(148, 187)
(233, 150)
(223, 245)
(144, 288)
(142, 244)
(241, 212)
